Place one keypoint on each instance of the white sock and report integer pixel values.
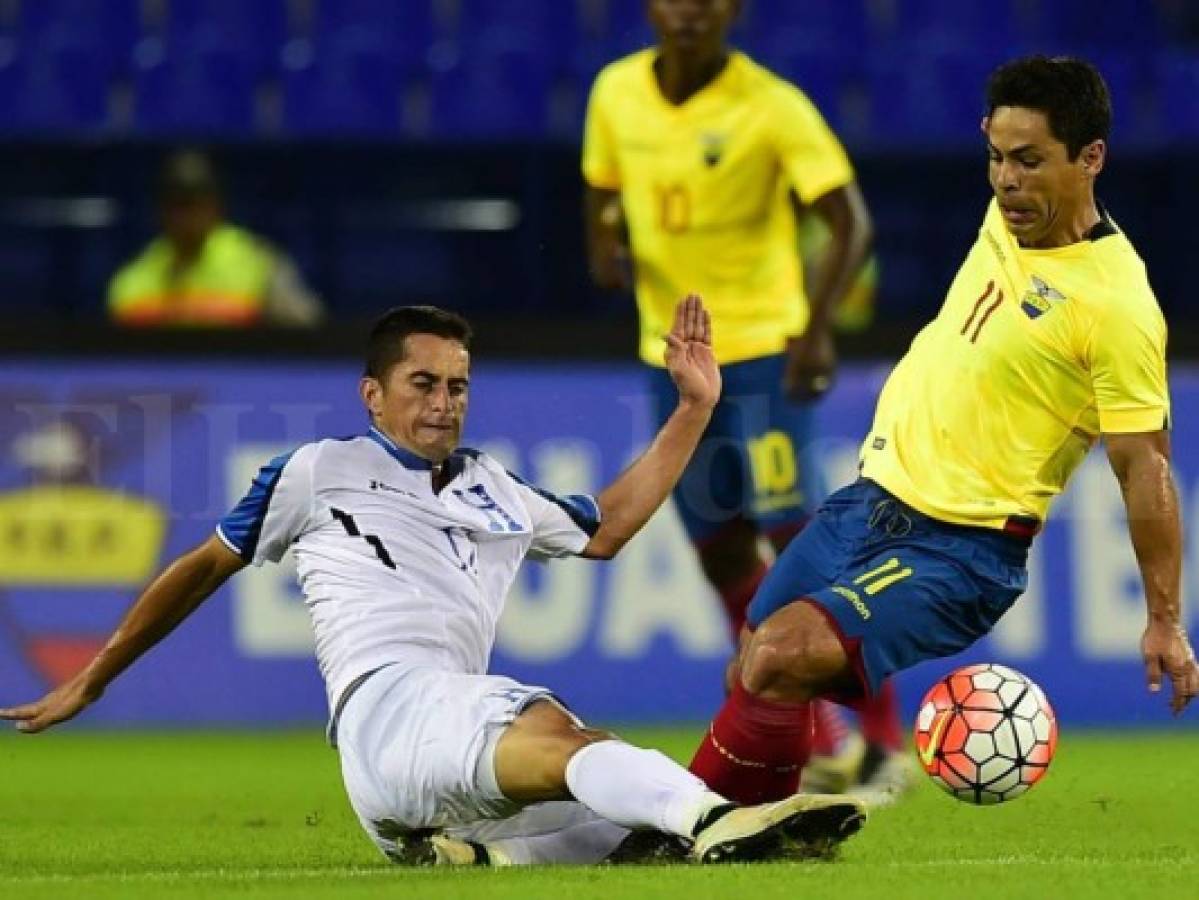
(584, 844)
(638, 788)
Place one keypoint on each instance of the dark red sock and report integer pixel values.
(880, 718)
(755, 748)
(829, 728)
(736, 597)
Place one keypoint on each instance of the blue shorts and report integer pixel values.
(898, 587)
(754, 462)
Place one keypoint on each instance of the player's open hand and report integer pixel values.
(1168, 652)
(689, 357)
(811, 364)
(64, 702)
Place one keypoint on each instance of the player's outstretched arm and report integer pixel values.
(1142, 466)
(627, 503)
(169, 599)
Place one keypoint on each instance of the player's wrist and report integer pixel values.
(695, 407)
(1164, 619)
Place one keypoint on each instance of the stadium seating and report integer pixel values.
(350, 86)
(195, 87)
(498, 92)
(254, 31)
(502, 69)
(59, 87)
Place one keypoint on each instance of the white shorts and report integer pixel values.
(418, 748)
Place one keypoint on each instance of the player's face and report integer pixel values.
(1038, 187)
(421, 403)
(692, 26)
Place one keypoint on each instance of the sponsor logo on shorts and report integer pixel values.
(852, 596)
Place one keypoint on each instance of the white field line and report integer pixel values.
(297, 874)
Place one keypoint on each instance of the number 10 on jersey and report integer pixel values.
(673, 204)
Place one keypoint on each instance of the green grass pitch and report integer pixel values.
(87, 814)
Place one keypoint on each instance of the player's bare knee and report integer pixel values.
(794, 655)
(774, 669)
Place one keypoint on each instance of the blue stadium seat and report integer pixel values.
(935, 104)
(837, 24)
(111, 28)
(553, 28)
(196, 87)
(1178, 94)
(949, 25)
(496, 95)
(625, 28)
(62, 87)
(349, 87)
(1130, 81)
(255, 30)
(406, 27)
(1067, 25)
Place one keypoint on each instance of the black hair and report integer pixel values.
(188, 175)
(385, 346)
(1070, 92)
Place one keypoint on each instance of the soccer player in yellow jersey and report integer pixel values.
(1049, 339)
(697, 161)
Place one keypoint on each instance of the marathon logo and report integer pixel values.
(857, 602)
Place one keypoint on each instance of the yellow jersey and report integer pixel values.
(704, 188)
(1034, 354)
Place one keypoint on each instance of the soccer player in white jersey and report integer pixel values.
(406, 547)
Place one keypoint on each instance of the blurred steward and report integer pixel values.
(203, 271)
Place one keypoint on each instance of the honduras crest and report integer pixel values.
(1040, 298)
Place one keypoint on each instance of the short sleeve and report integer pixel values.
(810, 154)
(601, 168)
(1127, 358)
(562, 525)
(273, 513)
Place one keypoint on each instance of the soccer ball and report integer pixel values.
(985, 734)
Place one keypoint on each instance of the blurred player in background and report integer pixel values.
(698, 163)
(1049, 338)
(204, 271)
(406, 545)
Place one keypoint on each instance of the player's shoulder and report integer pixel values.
(330, 452)
(624, 75)
(756, 79)
(1118, 275)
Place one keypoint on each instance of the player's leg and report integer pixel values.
(547, 754)
(903, 596)
(757, 746)
(554, 832)
(710, 498)
(788, 482)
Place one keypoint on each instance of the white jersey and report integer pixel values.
(392, 572)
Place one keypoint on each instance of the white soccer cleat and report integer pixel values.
(802, 826)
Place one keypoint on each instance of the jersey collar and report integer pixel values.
(409, 460)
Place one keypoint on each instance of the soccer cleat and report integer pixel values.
(425, 847)
(649, 848)
(837, 773)
(802, 826)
